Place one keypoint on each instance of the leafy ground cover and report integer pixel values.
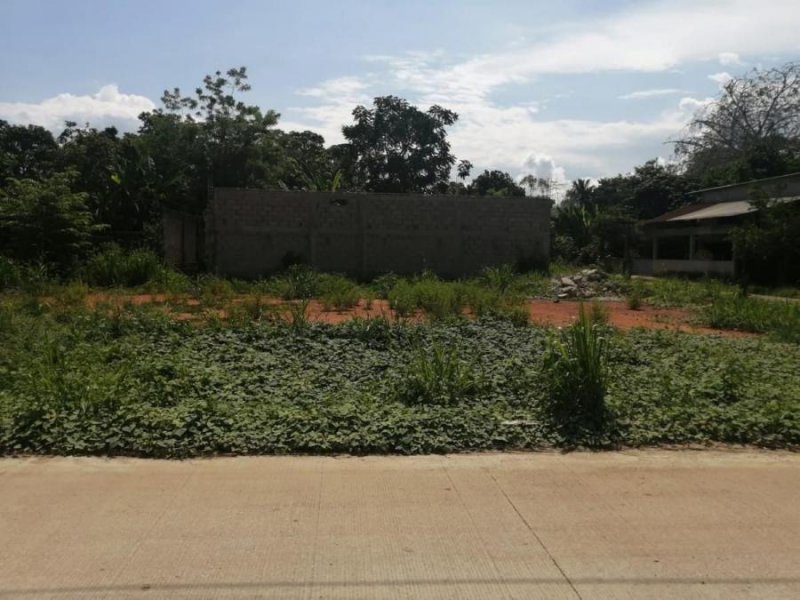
(135, 382)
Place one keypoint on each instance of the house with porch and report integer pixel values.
(695, 239)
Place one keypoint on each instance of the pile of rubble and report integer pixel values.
(589, 283)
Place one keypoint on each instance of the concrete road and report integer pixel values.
(638, 525)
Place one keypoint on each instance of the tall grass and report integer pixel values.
(780, 319)
(10, 274)
(670, 291)
(299, 282)
(338, 292)
(576, 369)
(438, 376)
(115, 267)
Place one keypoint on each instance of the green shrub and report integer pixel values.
(299, 282)
(338, 293)
(634, 298)
(439, 300)
(402, 299)
(298, 314)
(45, 221)
(438, 376)
(10, 274)
(576, 371)
(215, 291)
(498, 278)
(73, 294)
(598, 314)
(115, 267)
(383, 284)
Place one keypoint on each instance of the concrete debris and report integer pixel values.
(588, 283)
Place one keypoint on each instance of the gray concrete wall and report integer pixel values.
(252, 232)
(647, 266)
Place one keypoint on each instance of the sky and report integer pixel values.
(560, 89)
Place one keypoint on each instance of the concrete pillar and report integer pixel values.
(691, 247)
(655, 248)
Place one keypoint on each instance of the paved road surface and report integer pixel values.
(636, 525)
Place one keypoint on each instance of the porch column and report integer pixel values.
(655, 248)
(691, 246)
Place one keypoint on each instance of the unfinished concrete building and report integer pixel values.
(250, 233)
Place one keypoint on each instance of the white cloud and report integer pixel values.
(107, 107)
(543, 166)
(340, 87)
(649, 38)
(721, 78)
(729, 58)
(642, 94)
(691, 105)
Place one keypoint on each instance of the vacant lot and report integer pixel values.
(241, 376)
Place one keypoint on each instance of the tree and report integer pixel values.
(539, 187)
(495, 183)
(766, 244)
(45, 221)
(579, 193)
(751, 131)
(115, 175)
(395, 147)
(26, 151)
(212, 138)
(307, 164)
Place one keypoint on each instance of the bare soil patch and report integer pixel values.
(543, 312)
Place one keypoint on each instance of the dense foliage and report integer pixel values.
(214, 137)
(134, 382)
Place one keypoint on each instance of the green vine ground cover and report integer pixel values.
(84, 382)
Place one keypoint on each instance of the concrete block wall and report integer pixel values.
(250, 233)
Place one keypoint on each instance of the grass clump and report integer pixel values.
(298, 282)
(438, 375)
(634, 299)
(10, 274)
(438, 299)
(215, 291)
(338, 292)
(576, 369)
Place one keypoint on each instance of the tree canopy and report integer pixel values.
(396, 147)
(751, 131)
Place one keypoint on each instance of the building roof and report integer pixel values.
(713, 210)
(765, 180)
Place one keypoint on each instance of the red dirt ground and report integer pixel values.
(547, 312)
(544, 312)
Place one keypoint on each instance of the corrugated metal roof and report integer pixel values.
(720, 210)
(717, 211)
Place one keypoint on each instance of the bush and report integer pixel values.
(45, 221)
(299, 282)
(498, 278)
(215, 291)
(402, 299)
(575, 365)
(338, 293)
(115, 267)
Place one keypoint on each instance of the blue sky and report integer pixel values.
(564, 89)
